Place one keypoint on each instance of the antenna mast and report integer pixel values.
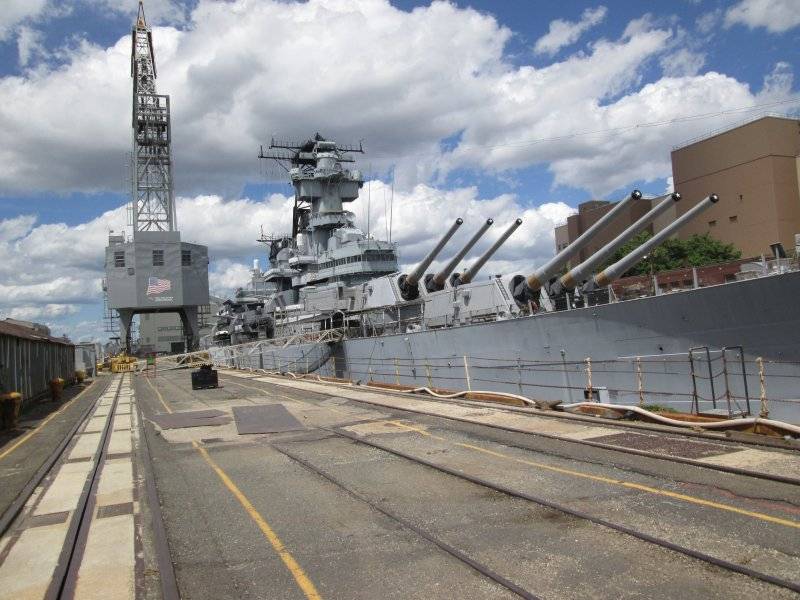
(153, 197)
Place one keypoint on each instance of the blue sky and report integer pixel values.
(481, 106)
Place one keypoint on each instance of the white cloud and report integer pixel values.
(227, 276)
(564, 33)
(402, 97)
(35, 312)
(14, 12)
(29, 45)
(707, 22)
(775, 16)
(156, 11)
(682, 62)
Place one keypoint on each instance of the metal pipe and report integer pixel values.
(616, 270)
(575, 276)
(408, 283)
(470, 273)
(526, 289)
(438, 281)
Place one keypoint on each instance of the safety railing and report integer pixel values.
(695, 381)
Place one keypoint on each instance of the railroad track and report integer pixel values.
(563, 508)
(98, 453)
(704, 557)
(427, 456)
(669, 458)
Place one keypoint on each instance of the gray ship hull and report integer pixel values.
(544, 356)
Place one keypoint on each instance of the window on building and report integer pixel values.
(733, 219)
(186, 258)
(158, 258)
(712, 223)
(119, 258)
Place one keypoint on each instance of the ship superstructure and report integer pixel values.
(333, 301)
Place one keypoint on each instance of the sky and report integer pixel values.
(473, 109)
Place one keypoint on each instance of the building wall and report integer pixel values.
(755, 170)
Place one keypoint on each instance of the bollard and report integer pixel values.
(428, 374)
(589, 377)
(764, 412)
(639, 380)
(466, 374)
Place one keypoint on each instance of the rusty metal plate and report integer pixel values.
(665, 445)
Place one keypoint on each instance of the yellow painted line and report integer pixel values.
(612, 481)
(160, 397)
(303, 582)
(41, 425)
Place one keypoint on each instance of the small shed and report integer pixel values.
(29, 360)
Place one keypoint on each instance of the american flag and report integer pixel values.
(158, 286)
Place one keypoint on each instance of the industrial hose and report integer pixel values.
(705, 425)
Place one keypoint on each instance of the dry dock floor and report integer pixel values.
(376, 495)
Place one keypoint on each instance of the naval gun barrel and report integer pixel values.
(470, 273)
(525, 289)
(612, 272)
(408, 283)
(438, 280)
(574, 277)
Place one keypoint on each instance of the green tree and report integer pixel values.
(696, 251)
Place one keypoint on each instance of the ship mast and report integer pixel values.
(152, 188)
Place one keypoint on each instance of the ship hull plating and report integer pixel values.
(544, 356)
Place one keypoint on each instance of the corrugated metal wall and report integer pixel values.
(28, 366)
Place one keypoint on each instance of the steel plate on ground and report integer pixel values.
(268, 418)
(196, 418)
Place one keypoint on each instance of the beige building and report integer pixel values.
(755, 169)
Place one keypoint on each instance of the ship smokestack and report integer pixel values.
(470, 273)
(409, 284)
(612, 272)
(525, 289)
(575, 276)
(437, 281)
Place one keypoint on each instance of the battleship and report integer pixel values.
(333, 302)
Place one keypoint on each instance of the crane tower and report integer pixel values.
(153, 271)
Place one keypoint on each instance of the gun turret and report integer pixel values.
(574, 277)
(612, 272)
(436, 283)
(409, 283)
(470, 273)
(525, 289)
